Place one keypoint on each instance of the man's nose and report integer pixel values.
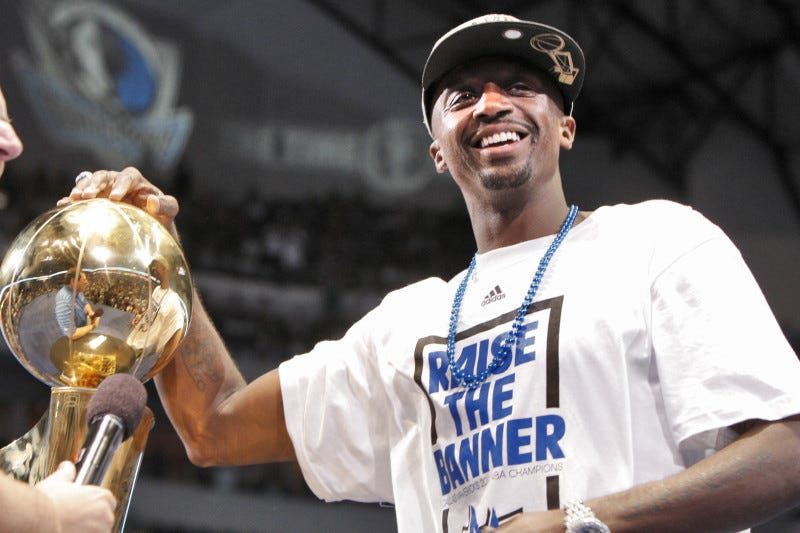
(493, 103)
(10, 145)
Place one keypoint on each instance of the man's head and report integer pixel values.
(10, 145)
(159, 269)
(76, 280)
(494, 95)
(542, 47)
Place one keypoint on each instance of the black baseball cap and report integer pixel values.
(549, 49)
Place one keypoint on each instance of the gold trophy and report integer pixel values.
(88, 290)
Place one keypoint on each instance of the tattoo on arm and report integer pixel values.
(199, 362)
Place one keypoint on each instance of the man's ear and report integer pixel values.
(438, 159)
(568, 127)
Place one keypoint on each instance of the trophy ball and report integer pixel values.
(91, 289)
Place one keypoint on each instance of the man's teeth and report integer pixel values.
(506, 136)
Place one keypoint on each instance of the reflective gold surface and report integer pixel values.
(135, 280)
(66, 433)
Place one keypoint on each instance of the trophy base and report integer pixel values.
(66, 432)
(18, 457)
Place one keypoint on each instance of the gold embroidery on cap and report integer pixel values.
(553, 45)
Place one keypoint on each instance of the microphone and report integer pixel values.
(113, 414)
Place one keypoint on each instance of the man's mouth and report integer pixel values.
(500, 138)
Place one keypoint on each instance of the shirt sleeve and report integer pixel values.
(721, 355)
(337, 415)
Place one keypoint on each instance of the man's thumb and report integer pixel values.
(162, 205)
(65, 472)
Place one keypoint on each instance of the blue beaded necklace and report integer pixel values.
(473, 381)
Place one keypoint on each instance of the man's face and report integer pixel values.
(10, 145)
(159, 271)
(498, 124)
(79, 284)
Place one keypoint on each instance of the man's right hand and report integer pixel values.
(127, 186)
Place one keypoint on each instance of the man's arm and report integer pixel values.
(55, 504)
(744, 484)
(83, 330)
(34, 511)
(220, 419)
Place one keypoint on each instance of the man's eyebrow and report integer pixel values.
(458, 86)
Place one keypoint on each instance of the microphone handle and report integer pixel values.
(104, 437)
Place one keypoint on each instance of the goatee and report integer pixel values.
(495, 180)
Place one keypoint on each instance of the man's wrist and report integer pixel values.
(579, 518)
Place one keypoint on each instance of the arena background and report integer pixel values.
(291, 132)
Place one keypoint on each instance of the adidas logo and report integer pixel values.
(494, 295)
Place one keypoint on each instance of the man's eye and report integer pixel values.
(461, 98)
(521, 89)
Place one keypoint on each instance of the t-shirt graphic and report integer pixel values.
(500, 436)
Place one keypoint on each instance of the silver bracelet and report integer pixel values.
(580, 519)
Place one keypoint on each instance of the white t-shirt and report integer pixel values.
(648, 337)
(164, 316)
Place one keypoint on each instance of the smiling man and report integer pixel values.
(610, 388)
(498, 127)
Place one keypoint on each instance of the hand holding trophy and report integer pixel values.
(87, 290)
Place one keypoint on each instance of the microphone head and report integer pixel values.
(121, 395)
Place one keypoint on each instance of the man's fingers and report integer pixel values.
(128, 182)
(127, 185)
(96, 185)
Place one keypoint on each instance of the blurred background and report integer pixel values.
(291, 133)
